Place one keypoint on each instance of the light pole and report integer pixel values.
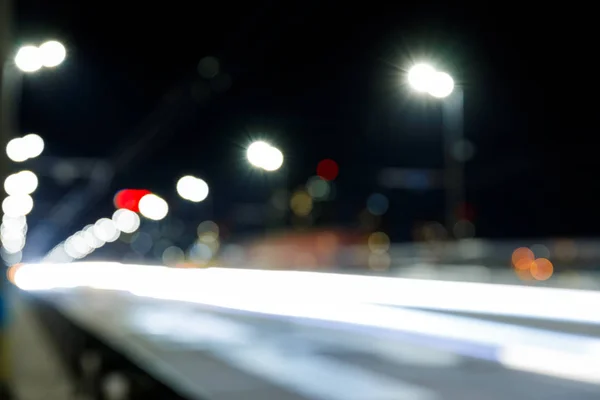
(425, 79)
(263, 155)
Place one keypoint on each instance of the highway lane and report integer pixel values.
(229, 355)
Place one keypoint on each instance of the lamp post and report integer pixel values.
(266, 157)
(425, 79)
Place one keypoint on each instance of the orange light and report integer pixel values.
(542, 269)
(10, 273)
(522, 258)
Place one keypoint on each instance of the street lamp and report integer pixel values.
(423, 78)
(32, 58)
(153, 207)
(264, 156)
(192, 189)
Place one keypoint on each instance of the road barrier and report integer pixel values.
(99, 371)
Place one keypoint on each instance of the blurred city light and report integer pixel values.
(17, 205)
(192, 189)
(106, 230)
(32, 58)
(262, 155)
(24, 148)
(377, 204)
(126, 221)
(273, 160)
(13, 237)
(29, 59)
(424, 78)
(24, 182)
(34, 144)
(52, 53)
(442, 85)
(129, 199)
(172, 256)
(318, 188)
(328, 169)
(301, 203)
(420, 77)
(153, 207)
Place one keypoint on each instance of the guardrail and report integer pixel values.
(99, 371)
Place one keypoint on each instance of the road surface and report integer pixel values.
(220, 354)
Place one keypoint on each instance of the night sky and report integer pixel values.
(325, 80)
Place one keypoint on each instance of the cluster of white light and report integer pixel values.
(33, 58)
(263, 155)
(92, 237)
(19, 203)
(192, 189)
(153, 207)
(13, 233)
(24, 148)
(308, 296)
(424, 78)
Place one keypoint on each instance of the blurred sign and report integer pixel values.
(413, 179)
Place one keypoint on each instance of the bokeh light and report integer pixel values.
(17, 205)
(262, 155)
(129, 199)
(192, 189)
(20, 183)
(172, 256)
(379, 242)
(522, 258)
(377, 204)
(34, 145)
(106, 230)
(542, 269)
(328, 169)
(29, 59)
(153, 207)
(52, 53)
(442, 85)
(318, 188)
(420, 77)
(301, 203)
(126, 220)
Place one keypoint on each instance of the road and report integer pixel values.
(227, 342)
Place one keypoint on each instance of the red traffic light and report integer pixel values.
(129, 198)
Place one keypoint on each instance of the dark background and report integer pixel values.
(326, 80)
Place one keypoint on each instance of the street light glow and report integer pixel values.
(153, 207)
(423, 78)
(262, 155)
(24, 148)
(29, 59)
(442, 85)
(420, 77)
(34, 144)
(52, 53)
(16, 150)
(274, 160)
(24, 182)
(32, 58)
(17, 205)
(192, 189)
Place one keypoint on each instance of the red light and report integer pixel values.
(129, 198)
(328, 169)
